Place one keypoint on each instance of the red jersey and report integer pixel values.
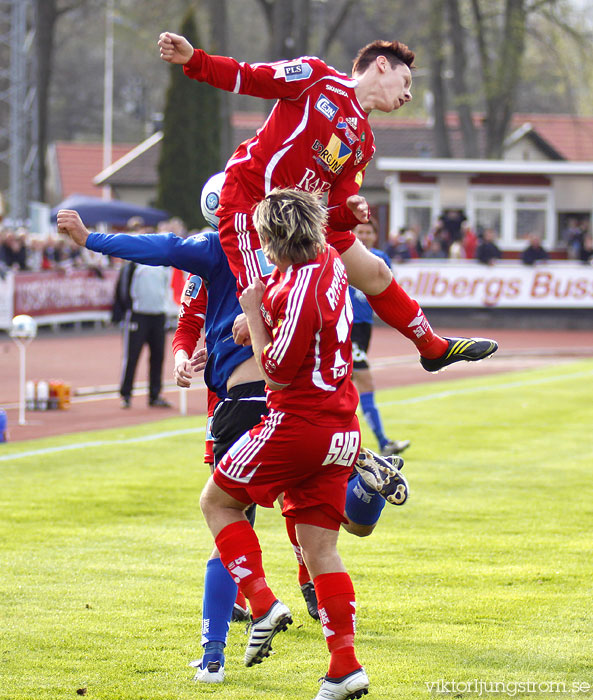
(308, 313)
(317, 137)
(192, 315)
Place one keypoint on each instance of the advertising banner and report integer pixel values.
(46, 293)
(6, 299)
(441, 283)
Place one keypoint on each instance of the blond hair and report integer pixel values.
(290, 224)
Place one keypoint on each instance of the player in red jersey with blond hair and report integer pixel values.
(300, 332)
(318, 139)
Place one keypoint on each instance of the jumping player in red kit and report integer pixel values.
(300, 332)
(318, 139)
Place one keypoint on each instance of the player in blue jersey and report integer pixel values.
(230, 371)
(362, 327)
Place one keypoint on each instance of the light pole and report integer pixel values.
(108, 94)
(22, 331)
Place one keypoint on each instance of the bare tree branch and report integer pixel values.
(436, 49)
(462, 94)
(268, 10)
(332, 31)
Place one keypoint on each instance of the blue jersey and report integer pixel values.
(199, 255)
(360, 306)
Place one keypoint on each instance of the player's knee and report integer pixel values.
(376, 275)
(208, 498)
(358, 530)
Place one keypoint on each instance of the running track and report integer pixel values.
(91, 364)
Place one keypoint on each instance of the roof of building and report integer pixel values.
(570, 136)
(558, 136)
(78, 163)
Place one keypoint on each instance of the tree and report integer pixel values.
(437, 81)
(486, 44)
(48, 13)
(289, 26)
(462, 98)
(219, 32)
(190, 149)
(501, 69)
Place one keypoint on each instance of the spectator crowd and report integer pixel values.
(25, 251)
(451, 236)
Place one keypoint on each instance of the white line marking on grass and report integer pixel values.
(399, 402)
(100, 443)
(477, 389)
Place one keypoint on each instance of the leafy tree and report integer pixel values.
(190, 149)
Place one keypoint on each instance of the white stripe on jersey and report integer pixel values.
(346, 83)
(238, 81)
(294, 305)
(248, 452)
(247, 252)
(302, 124)
(316, 377)
(270, 168)
(360, 114)
(234, 161)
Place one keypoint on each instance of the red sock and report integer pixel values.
(241, 554)
(403, 313)
(241, 600)
(304, 575)
(335, 595)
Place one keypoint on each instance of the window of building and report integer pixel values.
(417, 206)
(513, 213)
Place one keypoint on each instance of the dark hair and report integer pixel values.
(372, 222)
(394, 51)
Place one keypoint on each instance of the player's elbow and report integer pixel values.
(274, 386)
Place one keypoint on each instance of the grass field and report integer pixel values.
(486, 574)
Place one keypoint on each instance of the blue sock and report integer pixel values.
(220, 592)
(372, 417)
(363, 504)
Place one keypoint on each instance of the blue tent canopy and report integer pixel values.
(94, 210)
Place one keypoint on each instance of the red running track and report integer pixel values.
(91, 363)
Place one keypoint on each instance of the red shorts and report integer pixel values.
(242, 247)
(285, 453)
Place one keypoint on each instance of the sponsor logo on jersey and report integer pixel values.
(326, 107)
(295, 70)
(191, 289)
(333, 156)
(343, 449)
(340, 368)
(266, 315)
(351, 137)
(311, 182)
(360, 176)
(332, 88)
(353, 121)
(358, 156)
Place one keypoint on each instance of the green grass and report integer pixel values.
(485, 574)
